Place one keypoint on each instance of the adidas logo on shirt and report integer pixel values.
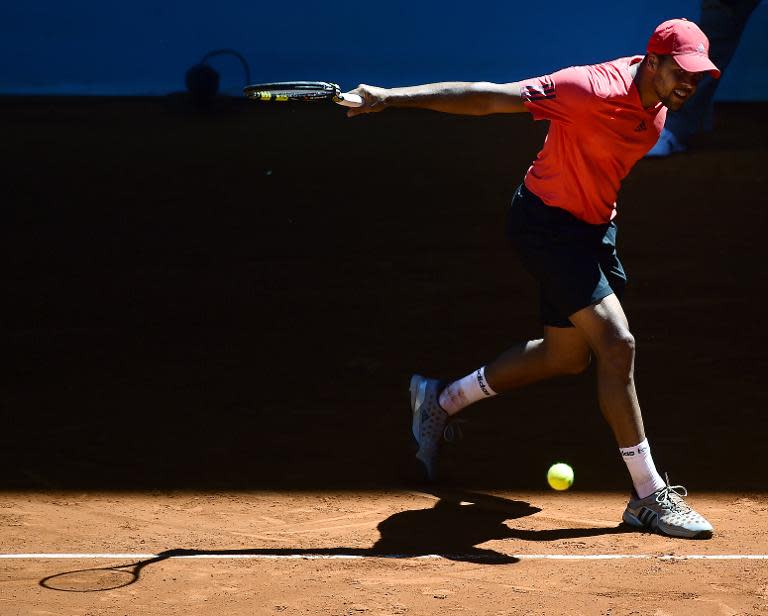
(641, 126)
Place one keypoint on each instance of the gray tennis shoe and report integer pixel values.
(429, 421)
(665, 511)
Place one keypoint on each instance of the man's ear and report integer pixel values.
(653, 61)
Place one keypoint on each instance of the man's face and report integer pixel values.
(673, 85)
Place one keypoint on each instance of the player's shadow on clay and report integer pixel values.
(454, 528)
(460, 522)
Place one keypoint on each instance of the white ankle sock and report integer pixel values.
(645, 477)
(464, 392)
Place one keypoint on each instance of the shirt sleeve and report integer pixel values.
(559, 97)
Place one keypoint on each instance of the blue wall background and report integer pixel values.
(144, 47)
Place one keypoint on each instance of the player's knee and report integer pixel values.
(618, 353)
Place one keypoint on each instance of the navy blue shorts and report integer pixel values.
(574, 262)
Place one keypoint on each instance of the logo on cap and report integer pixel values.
(700, 47)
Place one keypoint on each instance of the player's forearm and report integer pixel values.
(459, 97)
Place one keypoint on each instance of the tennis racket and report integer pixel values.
(284, 91)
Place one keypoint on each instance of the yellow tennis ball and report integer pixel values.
(560, 476)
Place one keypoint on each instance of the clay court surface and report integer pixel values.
(212, 320)
(404, 552)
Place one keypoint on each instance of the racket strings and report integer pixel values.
(292, 94)
(293, 91)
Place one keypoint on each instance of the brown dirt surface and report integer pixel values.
(366, 553)
(212, 317)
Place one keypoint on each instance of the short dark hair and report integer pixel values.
(662, 56)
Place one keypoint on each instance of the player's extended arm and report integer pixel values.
(460, 97)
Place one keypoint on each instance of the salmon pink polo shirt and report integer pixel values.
(598, 131)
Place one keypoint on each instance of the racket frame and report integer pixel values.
(284, 91)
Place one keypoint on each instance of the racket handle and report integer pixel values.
(350, 100)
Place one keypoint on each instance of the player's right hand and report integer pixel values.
(374, 99)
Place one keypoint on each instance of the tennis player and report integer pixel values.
(603, 119)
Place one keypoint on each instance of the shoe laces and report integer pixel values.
(672, 496)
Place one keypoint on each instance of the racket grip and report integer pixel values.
(350, 100)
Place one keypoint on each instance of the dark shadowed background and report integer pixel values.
(236, 296)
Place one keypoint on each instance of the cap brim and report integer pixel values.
(697, 63)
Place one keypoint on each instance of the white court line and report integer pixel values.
(92, 556)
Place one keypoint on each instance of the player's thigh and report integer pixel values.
(567, 348)
(604, 326)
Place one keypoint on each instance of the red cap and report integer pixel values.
(686, 43)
